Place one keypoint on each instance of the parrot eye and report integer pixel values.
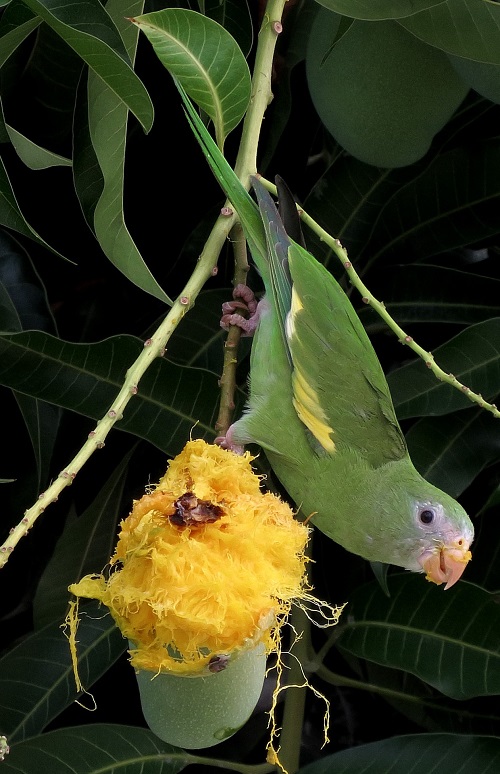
(426, 516)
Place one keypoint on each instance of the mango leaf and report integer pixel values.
(432, 753)
(107, 132)
(41, 664)
(468, 28)
(383, 9)
(451, 451)
(95, 749)
(84, 547)
(171, 402)
(424, 631)
(88, 29)
(433, 294)
(206, 60)
(16, 23)
(453, 203)
(347, 200)
(425, 706)
(33, 155)
(87, 174)
(473, 356)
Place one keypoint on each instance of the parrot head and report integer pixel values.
(442, 535)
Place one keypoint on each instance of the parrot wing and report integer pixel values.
(339, 390)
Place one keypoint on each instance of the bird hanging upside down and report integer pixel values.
(321, 409)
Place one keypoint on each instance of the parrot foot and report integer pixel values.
(226, 442)
(248, 303)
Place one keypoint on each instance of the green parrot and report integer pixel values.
(320, 406)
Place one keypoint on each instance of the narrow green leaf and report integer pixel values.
(107, 127)
(473, 356)
(451, 451)
(36, 677)
(85, 546)
(423, 630)
(428, 708)
(172, 401)
(88, 29)
(96, 749)
(468, 28)
(87, 174)
(432, 753)
(383, 9)
(205, 59)
(33, 155)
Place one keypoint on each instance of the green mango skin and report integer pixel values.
(199, 712)
(382, 93)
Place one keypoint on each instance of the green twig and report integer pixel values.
(228, 378)
(368, 298)
(245, 166)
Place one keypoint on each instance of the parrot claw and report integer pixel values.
(248, 303)
(226, 442)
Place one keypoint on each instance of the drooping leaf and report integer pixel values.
(171, 401)
(33, 155)
(88, 29)
(468, 28)
(432, 753)
(94, 749)
(205, 59)
(473, 356)
(425, 631)
(107, 131)
(36, 677)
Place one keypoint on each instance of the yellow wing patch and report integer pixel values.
(295, 307)
(305, 397)
(307, 406)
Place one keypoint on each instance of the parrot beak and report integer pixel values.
(446, 564)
